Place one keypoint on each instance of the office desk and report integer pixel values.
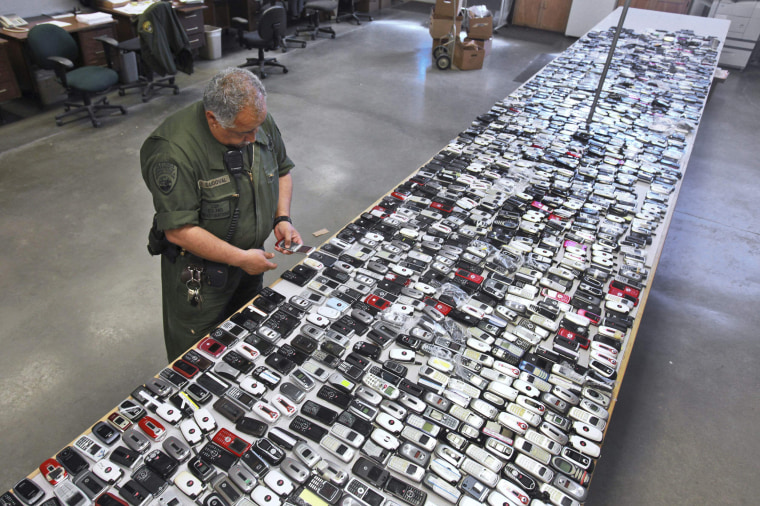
(220, 12)
(190, 15)
(91, 51)
(8, 84)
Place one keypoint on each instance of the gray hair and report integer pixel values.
(232, 90)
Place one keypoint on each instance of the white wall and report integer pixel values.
(585, 14)
(27, 9)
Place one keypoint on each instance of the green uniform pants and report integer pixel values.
(185, 324)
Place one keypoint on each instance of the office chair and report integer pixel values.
(53, 48)
(162, 47)
(270, 36)
(353, 14)
(314, 9)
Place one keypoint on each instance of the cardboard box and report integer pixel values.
(368, 5)
(441, 27)
(485, 44)
(468, 56)
(480, 28)
(447, 8)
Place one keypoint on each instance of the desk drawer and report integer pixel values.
(93, 52)
(9, 89)
(192, 22)
(8, 85)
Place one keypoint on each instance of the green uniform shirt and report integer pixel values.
(183, 166)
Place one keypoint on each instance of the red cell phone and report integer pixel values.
(582, 341)
(185, 368)
(469, 276)
(231, 442)
(212, 347)
(377, 302)
(152, 427)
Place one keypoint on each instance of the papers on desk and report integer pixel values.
(56, 23)
(94, 18)
(133, 10)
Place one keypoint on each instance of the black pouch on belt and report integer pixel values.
(216, 274)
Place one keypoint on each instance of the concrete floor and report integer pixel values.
(80, 306)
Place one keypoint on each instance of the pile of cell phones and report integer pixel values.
(458, 343)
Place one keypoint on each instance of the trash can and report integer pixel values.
(213, 48)
(128, 67)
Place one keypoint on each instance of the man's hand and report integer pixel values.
(285, 231)
(256, 261)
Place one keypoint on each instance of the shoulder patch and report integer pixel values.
(165, 176)
(147, 26)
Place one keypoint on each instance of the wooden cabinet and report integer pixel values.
(548, 15)
(8, 85)
(91, 50)
(674, 6)
(192, 22)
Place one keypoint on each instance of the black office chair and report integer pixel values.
(313, 10)
(351, 13)
(270, 36)
(162, 47)
(53, 48)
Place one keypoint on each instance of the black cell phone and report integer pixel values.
(27, 490)
(324, 489)
(280, 363)
(334, 396)
(134, 493)
(228, 409)
(213, 383)
(336, 275)
(238, 361)
(124, 456)
(304, 344)
(360, 361)
(150, 480)
(201, 469)
(330, 248)
(406, 492)
(307, 429)
(269, 451)
(292, 354)
(410, 388)
(353, 422)
(255, 463)
(197, 393)
(198, 360)
(265, 304)
(161, 463)
(325, 259)
(332, 348)
(325, 358)
(319, 413)
(213, 454)
(367, 349)
(272, 295)
(251, 426)
(173, 377)
(351, 372)
(385, 375)
(242, 398)
(371, 472)
(72, 461)
(264, 347)
(304, 272)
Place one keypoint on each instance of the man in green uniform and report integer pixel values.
(221, 183)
